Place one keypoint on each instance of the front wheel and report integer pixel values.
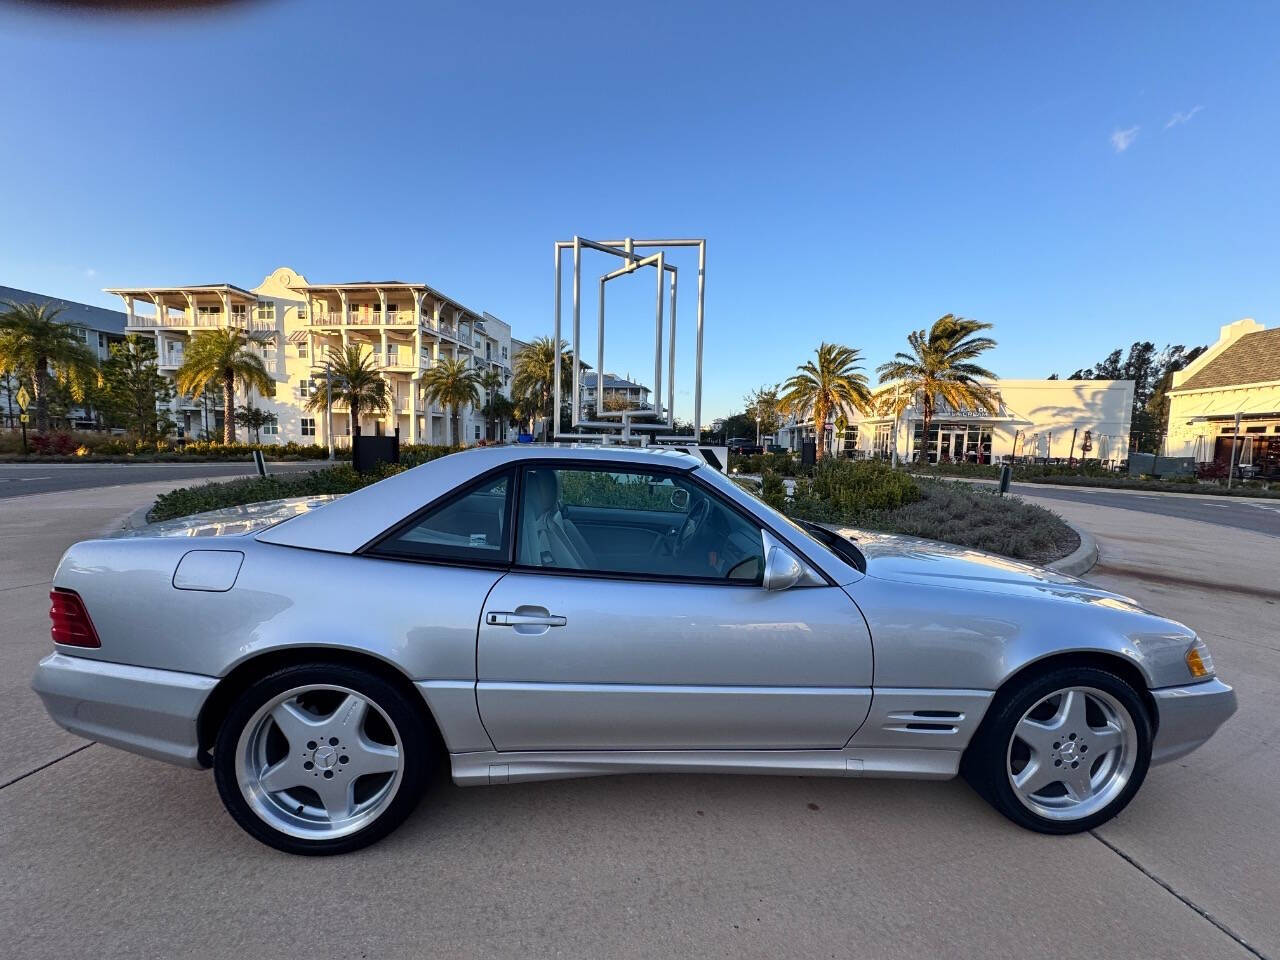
(321, 758)
(1064, 752)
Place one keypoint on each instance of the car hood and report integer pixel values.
(928, 562)
(231, 521)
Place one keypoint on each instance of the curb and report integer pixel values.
(138, 519)
(1081, 561)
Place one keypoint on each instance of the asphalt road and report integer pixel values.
(1239, 512)
(22, 479)
(110, 855)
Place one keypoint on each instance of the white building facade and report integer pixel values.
(1237, 375)
(406, 327)
(1037, 419)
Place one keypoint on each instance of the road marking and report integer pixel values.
(22, 479)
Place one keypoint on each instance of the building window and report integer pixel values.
(238, 311)
(308, 426)
(304, 388)
(267, 311)
(302, 313)
(302, 349)
(477, 431)
(212, 312)
(1262, 429)
(271, 430)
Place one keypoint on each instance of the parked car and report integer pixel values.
(775, 448)
(533, 612)
(744, 447)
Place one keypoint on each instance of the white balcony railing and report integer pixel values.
(397, 319)
(209, 321)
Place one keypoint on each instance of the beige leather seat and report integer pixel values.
(547, 537)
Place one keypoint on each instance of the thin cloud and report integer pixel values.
(1122, 140)
(90, 272)
(1180, 117)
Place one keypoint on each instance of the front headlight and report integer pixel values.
(1199, 662)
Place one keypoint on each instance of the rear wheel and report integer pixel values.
(1064, 751)
(321, 758)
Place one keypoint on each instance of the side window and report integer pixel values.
(633, 522)
(472, 525)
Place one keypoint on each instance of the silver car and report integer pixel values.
(528, 613)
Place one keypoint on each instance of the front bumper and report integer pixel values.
(1189, 716)
(146, 711)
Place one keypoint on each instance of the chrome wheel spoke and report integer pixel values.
(367, 757)
(1105, 739)
(1078, 782)
(1035, 776)
(283, 775)
(296, 725)
(348, 718)
(335, 794)
(1038, 736)
(1070, 718)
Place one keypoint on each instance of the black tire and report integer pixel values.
(986, 761)
(417, 747)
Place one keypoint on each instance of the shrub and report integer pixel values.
(773, 491)
(783, 464)
(846, 490)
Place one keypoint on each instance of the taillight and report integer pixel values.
(71, 624)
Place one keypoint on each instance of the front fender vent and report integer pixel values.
(924, 721)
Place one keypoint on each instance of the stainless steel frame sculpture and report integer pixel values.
(660, 417)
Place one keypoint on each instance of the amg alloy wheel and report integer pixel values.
(1064, 752)
(320, 759)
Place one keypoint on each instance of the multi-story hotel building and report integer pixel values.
(406, 327)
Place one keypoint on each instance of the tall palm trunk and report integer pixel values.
(39, 378)
(354, 406)
(820, 429)
(228, 407)
(925, 419)
(456, 422)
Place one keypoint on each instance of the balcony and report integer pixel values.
(400, 318)
(201, 321)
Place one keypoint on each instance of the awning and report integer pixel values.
(298, 336)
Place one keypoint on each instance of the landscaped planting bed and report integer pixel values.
(867, 494)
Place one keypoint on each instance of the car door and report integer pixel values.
(677, 646)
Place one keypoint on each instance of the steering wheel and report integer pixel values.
(692, 524)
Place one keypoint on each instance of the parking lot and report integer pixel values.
(106, 854)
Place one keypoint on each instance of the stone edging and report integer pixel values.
(1082, 559)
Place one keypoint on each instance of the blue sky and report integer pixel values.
(1081, 175)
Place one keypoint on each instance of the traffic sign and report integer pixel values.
(24, 417)
(23, 398)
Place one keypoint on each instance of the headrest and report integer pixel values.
(543, 490)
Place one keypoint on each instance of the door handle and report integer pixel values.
(502, 618)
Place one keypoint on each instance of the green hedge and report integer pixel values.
(846, 490)
(338, 479)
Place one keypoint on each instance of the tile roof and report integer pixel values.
(77, 314)
(612, 382)
(1254, 358)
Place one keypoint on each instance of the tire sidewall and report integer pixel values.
(390, 697)
(987, 766)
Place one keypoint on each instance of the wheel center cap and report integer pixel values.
(1068, 751)
(325, 757)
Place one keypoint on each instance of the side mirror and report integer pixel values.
(781, 569)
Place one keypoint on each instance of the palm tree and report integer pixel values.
(490, 382)
(355, 381)
(535, 371)
(940, 367)
(227, 356)
(833, 384)
(34, 346)
(453, 385)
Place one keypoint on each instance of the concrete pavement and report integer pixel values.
(110, 855)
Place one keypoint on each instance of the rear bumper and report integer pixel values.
(1189, 716)
(151, 712)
